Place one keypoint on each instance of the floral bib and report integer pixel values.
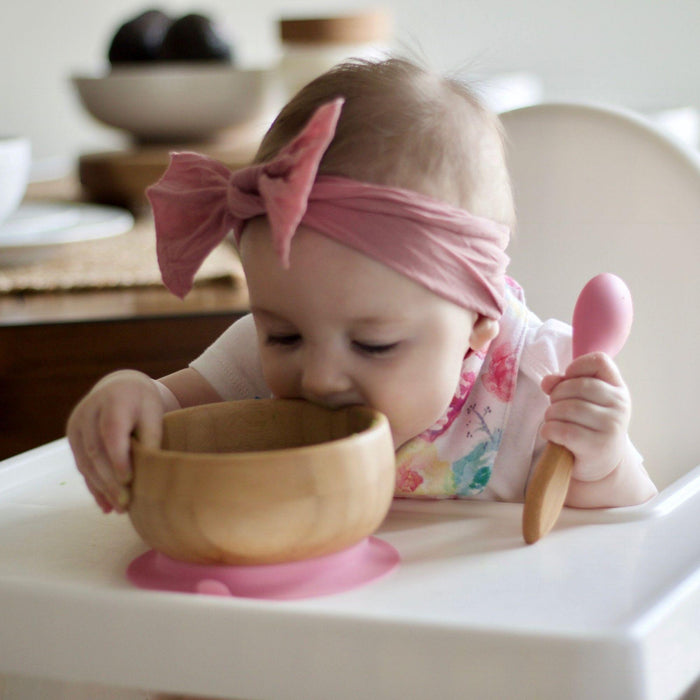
(454, 458)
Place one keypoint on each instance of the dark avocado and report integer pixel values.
(195, 38)
(140, 39)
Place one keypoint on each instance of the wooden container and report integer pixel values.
(120, 178)
(313, 45)
(263, 481)
(363, 27)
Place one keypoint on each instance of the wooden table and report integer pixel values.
(54, 346)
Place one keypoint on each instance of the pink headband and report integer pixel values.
(198, 201)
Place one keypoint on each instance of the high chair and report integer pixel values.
(606, 606)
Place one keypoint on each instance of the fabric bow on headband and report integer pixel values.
(199, 201)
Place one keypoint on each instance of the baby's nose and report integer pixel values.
(324, 378)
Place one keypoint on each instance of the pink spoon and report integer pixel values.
(602, 321)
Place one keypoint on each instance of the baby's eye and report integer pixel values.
(284, 339)
(374, 349)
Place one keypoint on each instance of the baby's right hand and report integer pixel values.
(100, 428)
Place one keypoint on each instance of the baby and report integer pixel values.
(372, 229)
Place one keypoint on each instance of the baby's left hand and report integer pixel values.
(589, 414)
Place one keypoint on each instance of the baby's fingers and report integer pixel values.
(100, 429)
(115, 430)
(577, 438)
(550, 382)
(118, 423)
(93, 463)
(102, 502)
(149, 426)
(596, 365)
(594, 379)
(591, 391)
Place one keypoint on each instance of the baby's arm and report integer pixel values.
(589, 414)
(100, 427)
(188, 388)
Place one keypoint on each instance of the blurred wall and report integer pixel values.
(644, 54)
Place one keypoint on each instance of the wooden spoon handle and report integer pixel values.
(546, 491)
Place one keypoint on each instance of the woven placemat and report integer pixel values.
(127, 260)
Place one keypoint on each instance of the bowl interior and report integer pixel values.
(260, 425)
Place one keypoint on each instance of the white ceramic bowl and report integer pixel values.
(178, 103)
(15, 162)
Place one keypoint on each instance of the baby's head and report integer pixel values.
(372, 233)
(338, 325)
(406, 127)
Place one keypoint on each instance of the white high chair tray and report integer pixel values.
(606, 606)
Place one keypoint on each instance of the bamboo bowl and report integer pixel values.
(262, 481)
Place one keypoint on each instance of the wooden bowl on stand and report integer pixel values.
(263, 482)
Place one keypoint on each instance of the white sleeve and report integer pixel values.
(231, 364)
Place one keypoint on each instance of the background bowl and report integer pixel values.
(185, 102)
(15, 162)
(263, 481)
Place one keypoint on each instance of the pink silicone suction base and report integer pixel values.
(366, 561)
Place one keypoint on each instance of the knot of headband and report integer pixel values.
(199, 201)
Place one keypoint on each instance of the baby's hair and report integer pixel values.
(405, 126)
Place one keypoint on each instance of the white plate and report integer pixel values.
(38, 229)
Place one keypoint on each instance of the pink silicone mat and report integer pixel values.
(366, 561)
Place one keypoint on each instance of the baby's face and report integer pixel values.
(338, 328)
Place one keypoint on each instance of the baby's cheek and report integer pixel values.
(410, 415)
(279, 379)
(428, 404)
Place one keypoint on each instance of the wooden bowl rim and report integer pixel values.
(378, 423)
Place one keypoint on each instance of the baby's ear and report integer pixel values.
(484, 331)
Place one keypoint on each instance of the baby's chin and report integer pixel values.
(404, 434)
(401, 438)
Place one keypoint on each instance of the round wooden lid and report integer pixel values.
(363, 27)
(121, 177)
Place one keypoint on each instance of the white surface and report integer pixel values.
(643, 54)
(602, 190)
(510, 91)
(183, 103)
(37, 229)
(682, 123)
(606, 606)
(15, 163)
(19, 688)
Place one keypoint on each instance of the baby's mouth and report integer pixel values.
(332, 403)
